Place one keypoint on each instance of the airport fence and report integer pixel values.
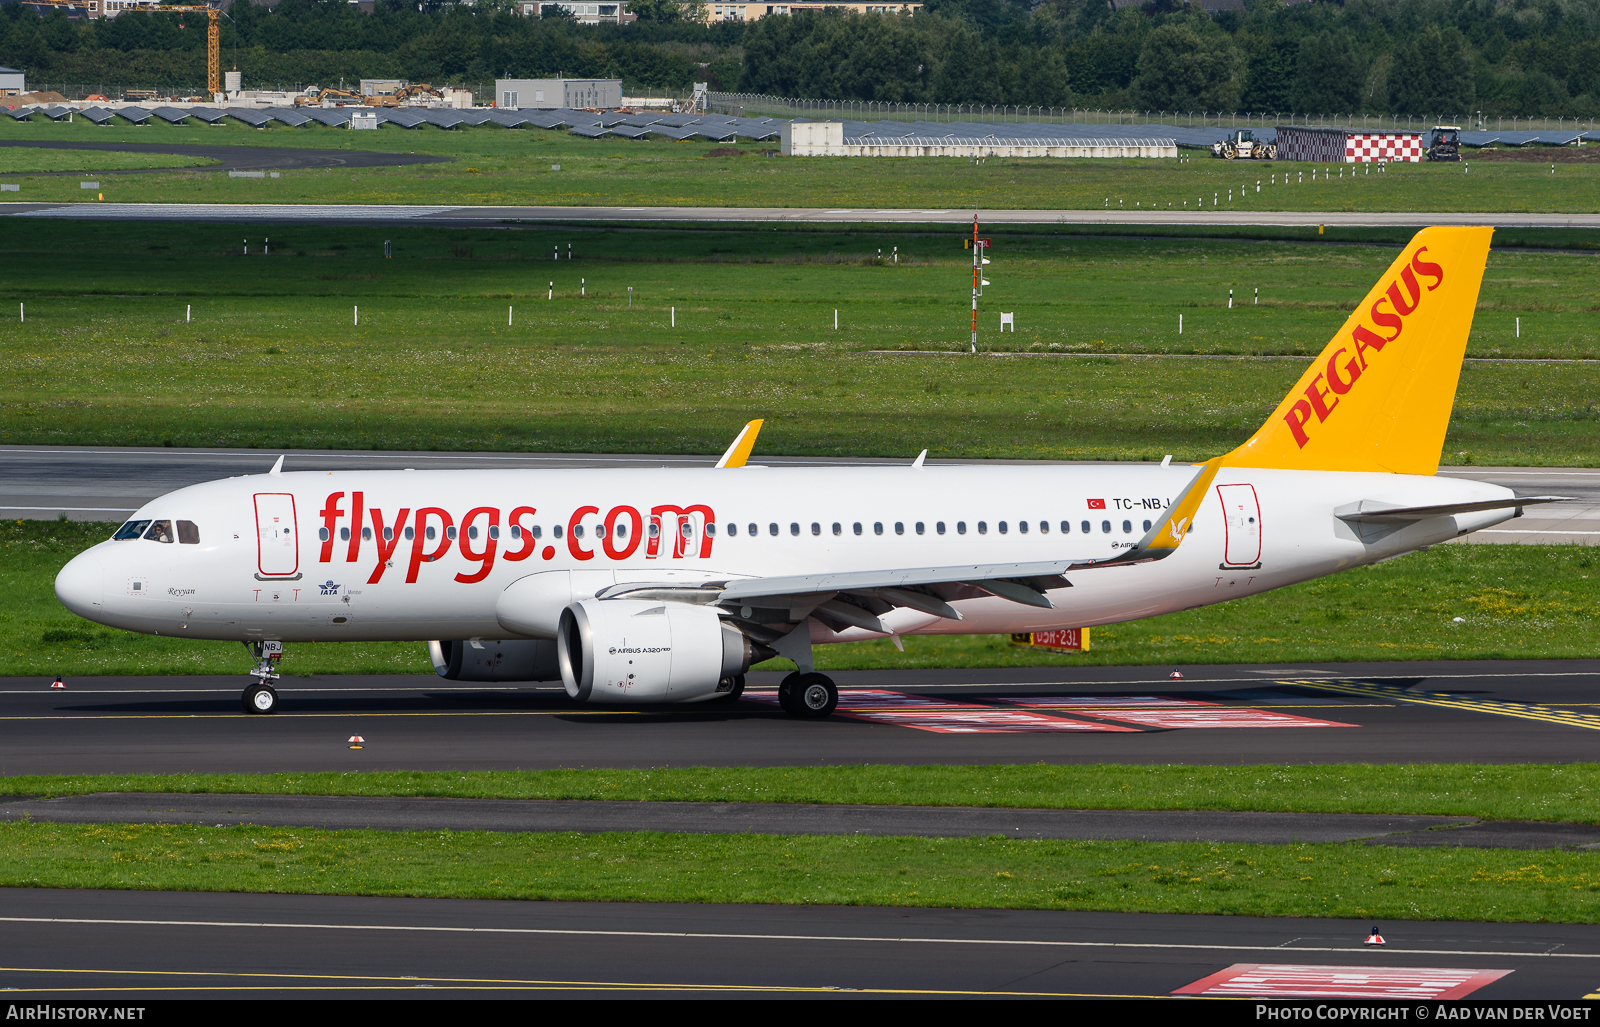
(752, 105)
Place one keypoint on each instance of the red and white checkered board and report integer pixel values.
(1282, 980)
(1361, 149)
(951, 718)
(1168, 712)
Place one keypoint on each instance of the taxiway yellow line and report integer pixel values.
(1498, 707)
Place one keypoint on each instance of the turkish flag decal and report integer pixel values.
(1097, 504)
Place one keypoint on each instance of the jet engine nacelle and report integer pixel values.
(488, 660)
(634, 650)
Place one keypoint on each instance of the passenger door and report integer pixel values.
(1241, 513)
(277, 535)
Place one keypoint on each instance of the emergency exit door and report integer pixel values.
(277, 542)
(1241, 522)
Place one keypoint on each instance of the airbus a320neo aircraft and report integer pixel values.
(636, 586)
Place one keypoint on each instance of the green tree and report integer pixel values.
(1432, 74)
(1183, 70)
(1327, 76)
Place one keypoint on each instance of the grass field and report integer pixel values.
(500, 166)
(1382, 883)
(1568, 793)
(273, 357)
(25, 160)
(1517, 602)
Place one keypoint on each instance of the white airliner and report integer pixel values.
(636, 586)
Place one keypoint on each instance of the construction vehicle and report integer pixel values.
(1241, 142)
(410, 95)
(315, 97)
(1445, 143)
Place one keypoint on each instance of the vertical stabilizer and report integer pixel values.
(1379, 396)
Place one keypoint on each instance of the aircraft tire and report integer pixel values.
(810, 696)
(259, 700)
(732, 695)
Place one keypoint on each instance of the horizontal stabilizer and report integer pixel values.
(1370, 511)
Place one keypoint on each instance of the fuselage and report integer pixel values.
(418, 555)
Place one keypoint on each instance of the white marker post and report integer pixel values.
(1519, 327)
(1257, 302)
(552, 295)
(357, 315)
(1230, 299)
(836, 320)
(188, 310)
(1180, 324)
(583, 287)
(674, 317)
(508, 316)
(22, 313)
(630, 297)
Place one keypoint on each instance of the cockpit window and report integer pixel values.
(160, 531)
(133, 529)
(188, 533)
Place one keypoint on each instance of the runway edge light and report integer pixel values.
(1176, 674)
(58, 683)
(356, 741)
(1374, 938)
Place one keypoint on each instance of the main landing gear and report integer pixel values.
(259, 696)
(808, 696)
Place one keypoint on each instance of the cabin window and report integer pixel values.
(322, 534)
(1105, 526)
(1022, 526)
(450, 533)
(160, 531)
(750, 529)
(622, 530)
(794, 527)
(516, 531)
(1146, 525)
(877, 527)
(1086, 528)
(388, 534)
(410, 534)
(772, 529)
(1003, 528)
(133, 529)
(1066, 527)
(577, 531)
(733, 528)
(816, 529)
(555, 531)
(188, 533)
(961, 527)
(472, 532)
(838, 529)
(1127, 527)
(686, 529)
(899, 527)
(983, 527)
(1044, 527)
(856, 527)
(939, 527)
(366, 534)
(921, 528)
(655, 529)
(344, 534)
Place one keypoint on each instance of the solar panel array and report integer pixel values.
(726, 128)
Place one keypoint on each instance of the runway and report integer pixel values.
(108, 483)
(233, 158)
(1470, 712)
(459, 216)
(133, 945)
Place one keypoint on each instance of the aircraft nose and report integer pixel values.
(80, 585)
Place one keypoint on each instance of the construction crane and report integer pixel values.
(213, 29)
(213, 40)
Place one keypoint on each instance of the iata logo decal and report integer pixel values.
(1347, 363)
(329, 588)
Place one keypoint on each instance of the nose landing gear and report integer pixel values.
(259, 696)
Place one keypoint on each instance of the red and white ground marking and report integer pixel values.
(915, 711)
(1169, 712)
(1283, 980)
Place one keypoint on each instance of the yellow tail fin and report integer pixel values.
(1378, 398)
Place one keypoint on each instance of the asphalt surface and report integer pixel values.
(234, 158)
(140, 945)
(1470, 712)
(105, 484)
(465, 216)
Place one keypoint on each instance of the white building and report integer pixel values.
(584, 14)
(827, 139)
(574, 93)
(12, 82)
